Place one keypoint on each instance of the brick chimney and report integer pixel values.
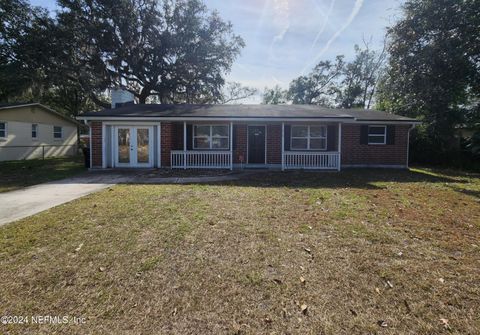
(121, 97)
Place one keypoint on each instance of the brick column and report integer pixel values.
(274, 144)
(240, 143)
(166, 143)
(96, 144)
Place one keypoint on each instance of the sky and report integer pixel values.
(286, 38)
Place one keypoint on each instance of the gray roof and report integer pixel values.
(244, 111)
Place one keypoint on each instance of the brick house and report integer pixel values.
(246, 136)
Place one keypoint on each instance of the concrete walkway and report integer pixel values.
(16, 205)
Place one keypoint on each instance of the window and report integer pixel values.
(57, 132)
(377, 134)
(3, 130)
(34, 131)
(210, 137)
(308, 138)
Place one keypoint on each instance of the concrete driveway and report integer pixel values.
(31, 200)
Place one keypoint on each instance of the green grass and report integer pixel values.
(18, 174)
(226, 258)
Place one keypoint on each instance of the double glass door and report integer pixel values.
(134, 146)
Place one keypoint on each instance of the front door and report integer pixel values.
(256, 144)
(133, 146)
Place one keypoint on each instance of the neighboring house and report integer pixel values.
(246, 136)
(32, 130)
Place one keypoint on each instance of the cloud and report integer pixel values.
(324, 25)
(356, 9)
(281, 9)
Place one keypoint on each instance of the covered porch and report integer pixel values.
(280, 145)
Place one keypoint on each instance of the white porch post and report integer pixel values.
(283, 146)
(339, 146)
(231, 145)
(184, 145)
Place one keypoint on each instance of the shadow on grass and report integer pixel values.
(351, 178)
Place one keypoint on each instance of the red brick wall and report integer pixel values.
(96, 134)
(240, 144)
(354, 153)
(274, 144)
(166, 140)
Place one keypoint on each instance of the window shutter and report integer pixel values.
(331, 137)
(287, 137)
(234, 137)
(390, 135)
(364, 135)
(189, 136)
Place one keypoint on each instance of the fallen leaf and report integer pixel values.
(445, 323)
(382, 323)
(407, 306)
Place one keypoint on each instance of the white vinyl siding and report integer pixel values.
(210, 137)
(308, 138)
(377, 134)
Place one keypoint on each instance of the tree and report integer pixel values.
(274, 96)
(433, 70)
(234, 92)
(318, 87)
(23, 49)
(360, 78)
(175, 50)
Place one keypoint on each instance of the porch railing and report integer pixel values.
(311, 160)
(201, 159)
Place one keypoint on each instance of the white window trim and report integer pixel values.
(36, 131)
(6, 130)
(61, 134)
(308, 138)
(384, 135)
(210, 137)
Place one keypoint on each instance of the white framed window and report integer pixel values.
(210, 137)
(308, 138)
(57, 132)
(34, 131)
(3, 130)
(377, 134)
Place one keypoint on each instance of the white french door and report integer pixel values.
(133, 146)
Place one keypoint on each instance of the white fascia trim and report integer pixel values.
(241, 119)
(385, 122)
(224, 119)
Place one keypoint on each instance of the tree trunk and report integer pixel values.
(144, 94)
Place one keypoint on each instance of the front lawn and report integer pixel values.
(18, 174)
(356, 252)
